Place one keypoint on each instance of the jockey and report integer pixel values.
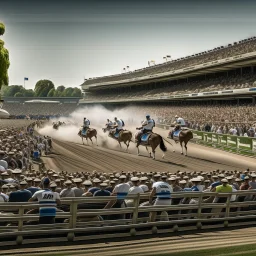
(118, 125)
(180, 121)
(86, 124)
(147, 126)
(109, 123)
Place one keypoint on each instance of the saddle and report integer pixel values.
(84, 131)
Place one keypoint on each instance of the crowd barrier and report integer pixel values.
(235, 144)
(84, 218)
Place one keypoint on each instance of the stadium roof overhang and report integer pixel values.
(234, 64)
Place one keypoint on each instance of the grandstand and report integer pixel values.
(224, 68)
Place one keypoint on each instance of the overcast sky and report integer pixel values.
(66, 41)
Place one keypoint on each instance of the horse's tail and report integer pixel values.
(162, 145)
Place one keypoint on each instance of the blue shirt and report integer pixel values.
(215, 184)
(33, 190)
(194, 188)
(20, 196)
(93, 190)
(102, 193)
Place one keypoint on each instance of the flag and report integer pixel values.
(25, 79)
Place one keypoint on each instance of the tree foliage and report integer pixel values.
(51, 93)
(44, 88)
(4, 60)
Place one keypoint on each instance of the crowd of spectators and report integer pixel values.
(20, 185)
(19, 146)
(225, 119)
(37, 110)
(237, 48)
(218, 83)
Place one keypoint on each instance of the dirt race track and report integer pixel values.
(147, 246)
(73, 157)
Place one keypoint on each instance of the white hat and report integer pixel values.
(122, 177)
(97, 181)
(144, 178)
(224, 181)
(135, 179)
(103, 184)
(196, 179)
(182, 182)
(77, 180)
(87, 183)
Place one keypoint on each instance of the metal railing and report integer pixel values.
(80, 217)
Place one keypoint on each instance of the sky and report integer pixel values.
(67, 41)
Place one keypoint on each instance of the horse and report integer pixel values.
(89, 134)
(124, 136)
(153, 141)
(185, 135)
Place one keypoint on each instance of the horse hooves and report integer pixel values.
(181, 153)
(163, 156)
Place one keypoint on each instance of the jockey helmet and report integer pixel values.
(176, 116)
(115, 118)
(147, 116)
(84, 118)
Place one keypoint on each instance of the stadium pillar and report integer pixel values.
(253, 100)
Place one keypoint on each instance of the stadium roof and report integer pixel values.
(213, 58)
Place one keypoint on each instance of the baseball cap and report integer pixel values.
(46, 181)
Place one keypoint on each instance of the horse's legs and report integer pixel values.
(120, 144)
(186, 148)
(181, 147)
(148, 152)
(96, 140)
(82, 140)
(91, 140)
(138, 151)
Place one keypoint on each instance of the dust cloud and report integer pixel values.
(98, 116)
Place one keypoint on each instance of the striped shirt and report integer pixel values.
(47, 198)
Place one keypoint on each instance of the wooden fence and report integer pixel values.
(81, 217)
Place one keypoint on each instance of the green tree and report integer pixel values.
(67, 92)
(61, 88)
(28, 93)
(10, 91)
(43, 87)
(18, 94)
(4, 60)
(76, 93)
(51, 93)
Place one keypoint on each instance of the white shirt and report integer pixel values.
(135, 190)
(148, 124)
(4, 164)
(121, 188)
(48, 198)
(163, 189)
(144, 188)
(180, 121)
(119, 124)
(86, 122)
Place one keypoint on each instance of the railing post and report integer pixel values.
(227, 210)
(72, 220)
(199, 211)
(19, 238)
(136, 203)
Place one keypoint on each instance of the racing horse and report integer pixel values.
(151, 140)
(124, 136)
(57, 125)
(89, 134)
(183, 135)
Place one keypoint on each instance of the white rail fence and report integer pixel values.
(81, 218)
